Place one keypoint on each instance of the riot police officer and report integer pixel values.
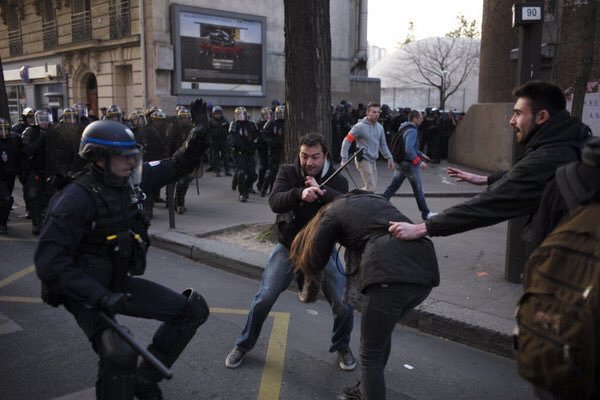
(274, 136)
(156, 148)
(34, 141)
(177, 134)
(9, 168)
(92, 249)
(218, 127)
(243, 138)
(266, 114)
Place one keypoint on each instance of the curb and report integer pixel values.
(433, 317)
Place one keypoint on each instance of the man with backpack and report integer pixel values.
(558, 316)
(408, 159)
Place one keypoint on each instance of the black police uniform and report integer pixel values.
(34, 149)
(274, 136)
(243, 140)
(218, 129)
(93, 247)
(9, 168)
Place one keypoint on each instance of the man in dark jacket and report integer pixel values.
(92, 249)
(551, 138)
(296, 197)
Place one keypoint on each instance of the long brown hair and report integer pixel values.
(303, 252)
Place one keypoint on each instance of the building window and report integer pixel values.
(49, 25)
(81, 20)
(120, 18)
(15, 43)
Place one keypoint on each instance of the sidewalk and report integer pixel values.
(474, 304)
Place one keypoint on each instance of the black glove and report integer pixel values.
(113, 302)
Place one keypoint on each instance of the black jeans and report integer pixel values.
(383, 307)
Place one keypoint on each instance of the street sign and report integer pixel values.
(527, 13)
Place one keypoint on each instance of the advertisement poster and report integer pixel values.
(220, 52)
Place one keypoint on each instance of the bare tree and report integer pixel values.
(444, 63)
(307, 71)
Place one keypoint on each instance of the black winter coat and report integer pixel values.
(360, 223)
(518, 191)
(286, 198)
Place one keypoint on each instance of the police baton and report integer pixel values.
(341, 168)
(155, 362)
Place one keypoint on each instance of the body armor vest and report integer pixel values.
(119, 233)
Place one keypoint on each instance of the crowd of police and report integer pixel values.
(41, 152)
(434, 132)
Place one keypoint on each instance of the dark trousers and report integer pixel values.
(148, 300)
(383, 307)
(219, 152)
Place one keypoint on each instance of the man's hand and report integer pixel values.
(463, 176)
(423, 166)
(310, 181)
(312, 193)
(406, 231)
(113, 302)
(391, 165)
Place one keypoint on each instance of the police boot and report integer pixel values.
(116, 375)
(169, 341)
(5, 207)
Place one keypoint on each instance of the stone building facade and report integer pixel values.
(57, 53)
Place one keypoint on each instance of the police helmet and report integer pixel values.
(217, 109)
(157, 114)
(280, 112)
(28, 112)
(104, 138)
(275, 102)
(41, 118)
(80, 110)
(70, 116)
(114, 113)
(266, 111)
(183, 113)
(240, 113)
(4, 128)
(138, 119)
(150, 110)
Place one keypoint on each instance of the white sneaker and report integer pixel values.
(430, 215)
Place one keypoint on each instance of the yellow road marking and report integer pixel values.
(16, 299)
(17, 275)
(270, 385)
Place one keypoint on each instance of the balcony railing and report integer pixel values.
(15, 44)
(120, 19)
(81, 26)
(50, 35)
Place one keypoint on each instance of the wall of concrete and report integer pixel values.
(483, 139)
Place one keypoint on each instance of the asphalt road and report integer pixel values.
(45, 356)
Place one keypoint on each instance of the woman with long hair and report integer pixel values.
(393, 275)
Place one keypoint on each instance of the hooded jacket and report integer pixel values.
(518, 191)
(385, 259)
(286, 198)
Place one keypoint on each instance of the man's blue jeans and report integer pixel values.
(406, 169)
(276, 278)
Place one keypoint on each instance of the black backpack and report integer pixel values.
(397, 145)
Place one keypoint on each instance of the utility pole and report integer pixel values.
(3, 96)
(529, 18)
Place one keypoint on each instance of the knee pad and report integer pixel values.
(196, 308)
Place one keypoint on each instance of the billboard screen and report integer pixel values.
(218, 52)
